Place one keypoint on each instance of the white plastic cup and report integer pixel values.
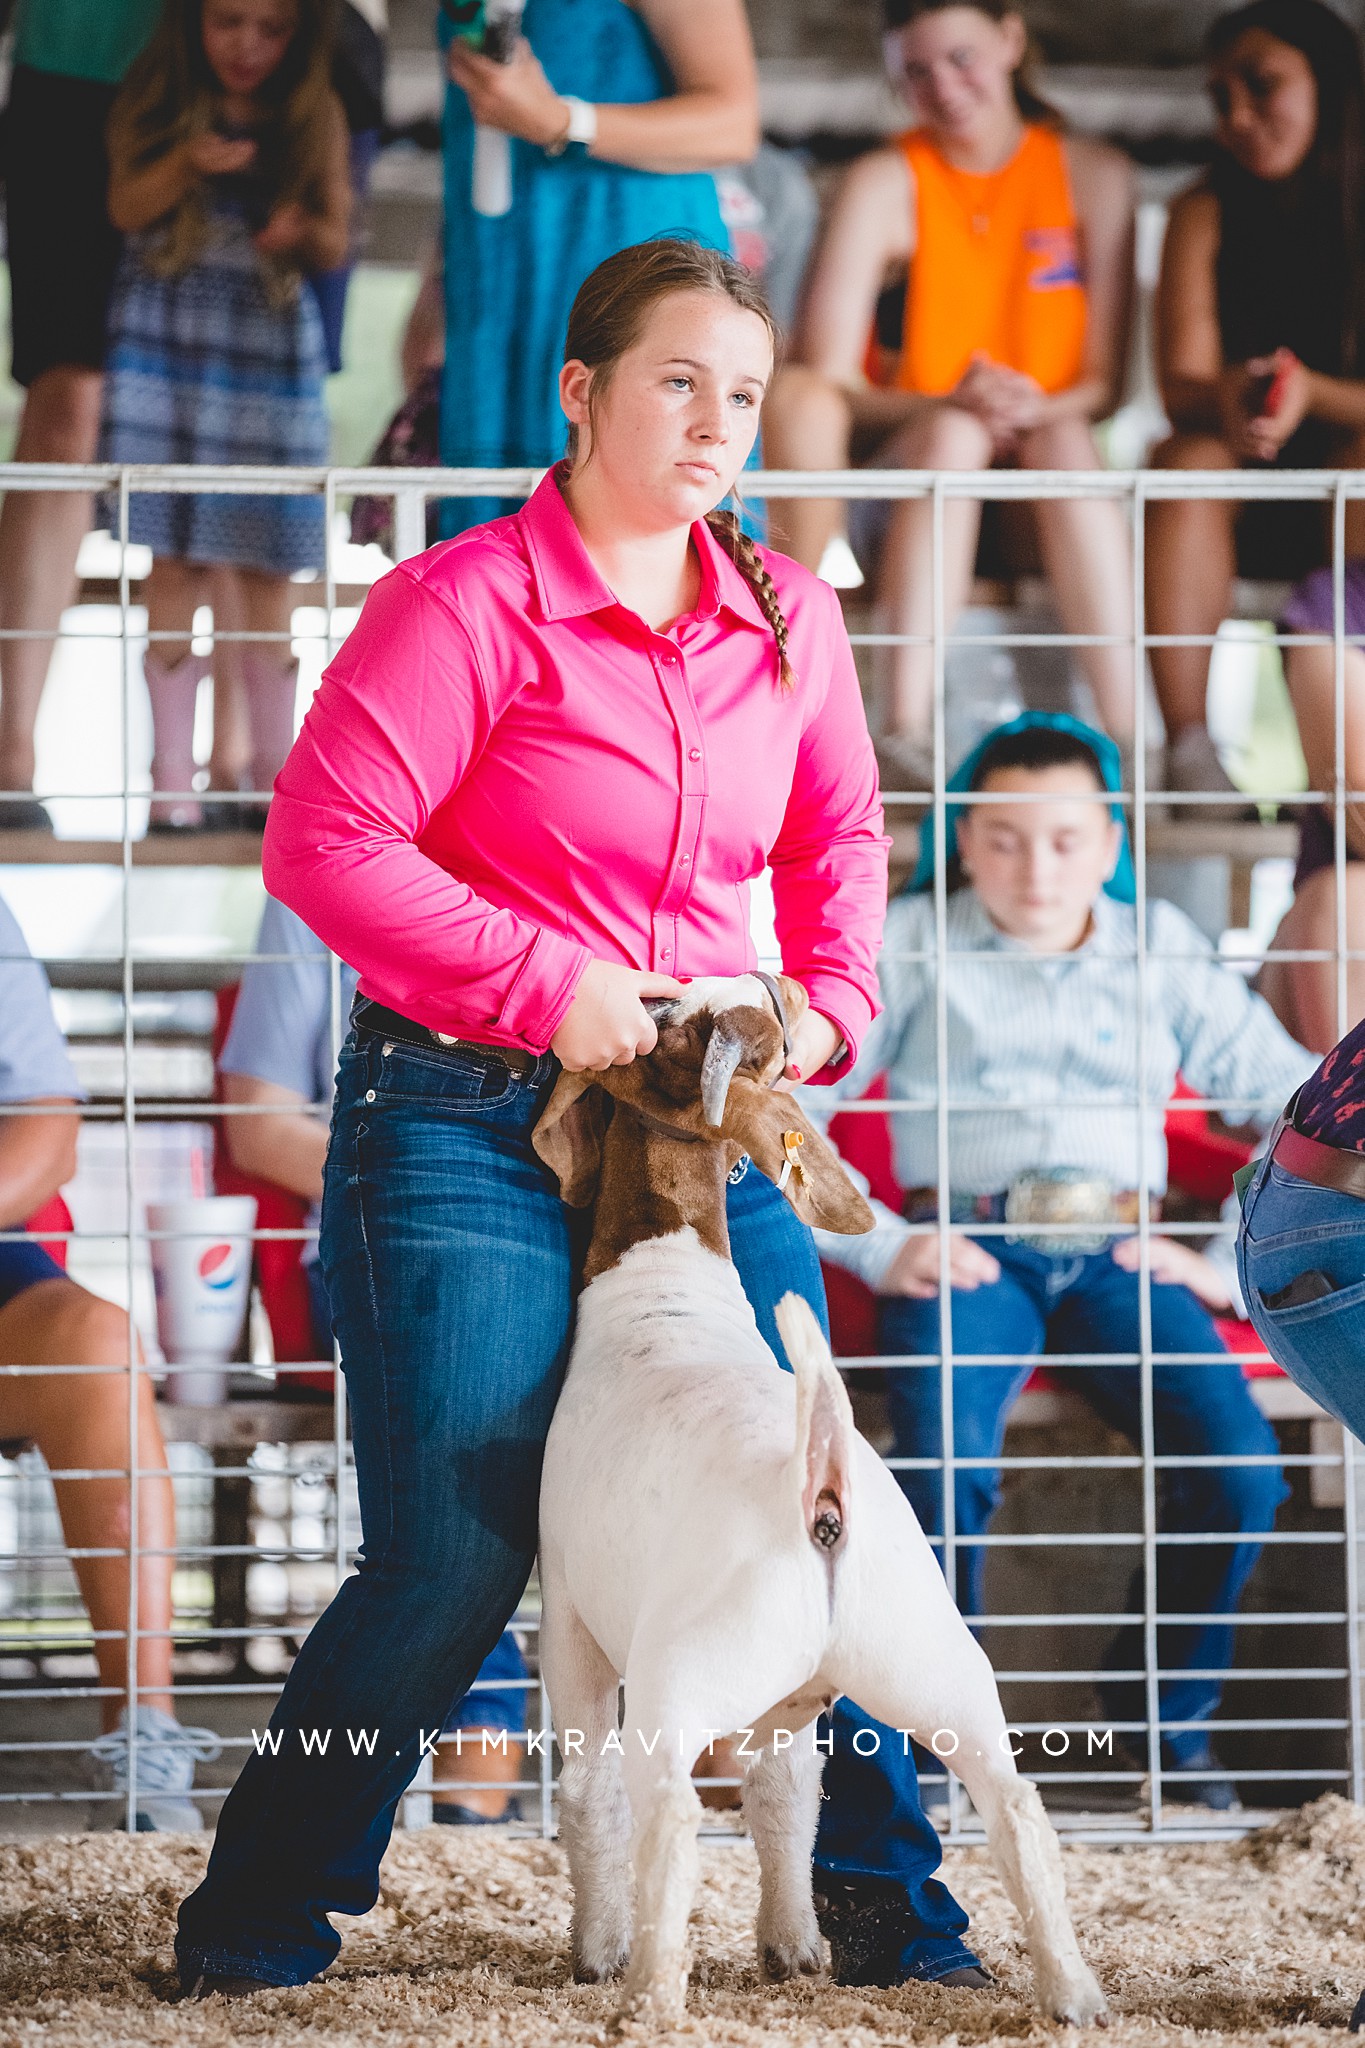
(202, 1271)
(492, 187)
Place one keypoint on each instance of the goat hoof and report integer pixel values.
(1084, 2005)
(781, 1961)
(652, 2008)
(601, 1971)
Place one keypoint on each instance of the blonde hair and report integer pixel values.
(170, 95)
(606, 320)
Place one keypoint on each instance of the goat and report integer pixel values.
(715, 1532)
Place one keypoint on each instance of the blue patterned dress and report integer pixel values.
(206, 366)
(510, 282)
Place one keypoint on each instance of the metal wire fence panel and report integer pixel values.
(266, 1521)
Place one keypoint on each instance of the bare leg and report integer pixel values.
(1310, 673)
(271, 673)
(1350, 454)
(1190, 566)
(942, 437)
(82, 1423)
(40, 537)
(485, 1772)
(806, 425)
(230, 761)
(173, 591)
(1303, 993)
(1088, 557)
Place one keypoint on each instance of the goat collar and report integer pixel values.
(771, 983)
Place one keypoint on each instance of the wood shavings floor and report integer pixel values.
(1252, 1942)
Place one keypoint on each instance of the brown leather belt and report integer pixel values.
(386, 1023)
(1328, 1166)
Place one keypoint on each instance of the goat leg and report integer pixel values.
(594, 1814)
(782, 1807)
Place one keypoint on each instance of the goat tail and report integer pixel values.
(823, 1457)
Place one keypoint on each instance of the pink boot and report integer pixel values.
(271, 676)
(173, 691)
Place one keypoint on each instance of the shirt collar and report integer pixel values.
(723, 582)
(569, 587)
(981, 935)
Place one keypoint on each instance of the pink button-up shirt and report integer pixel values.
(505, 773)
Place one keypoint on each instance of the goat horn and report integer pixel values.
(724, 1051)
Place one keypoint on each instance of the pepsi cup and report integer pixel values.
(201, 1265)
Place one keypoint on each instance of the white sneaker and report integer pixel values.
(166, 1756)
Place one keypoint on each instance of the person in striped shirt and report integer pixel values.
(1062, 1049)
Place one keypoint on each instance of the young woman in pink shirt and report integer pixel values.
(531, 793)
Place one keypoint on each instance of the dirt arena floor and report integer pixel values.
(1261, 1941)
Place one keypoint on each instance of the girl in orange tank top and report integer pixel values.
(1016, 242)
(996, 269)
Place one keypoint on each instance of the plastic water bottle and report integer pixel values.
(491, 195)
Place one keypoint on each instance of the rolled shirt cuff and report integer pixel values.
(848, 1009)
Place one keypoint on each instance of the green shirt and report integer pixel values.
(95, 39)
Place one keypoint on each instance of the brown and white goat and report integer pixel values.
(715, 1532)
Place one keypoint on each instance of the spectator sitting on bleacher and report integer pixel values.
(277, 1065)
(1019, 242)
(1042, 1069)
(1260, 322)
(79, 1421)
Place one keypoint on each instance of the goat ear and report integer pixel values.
(760, 1119)
(795, 997)
(569, 1136)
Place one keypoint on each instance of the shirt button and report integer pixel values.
(686, 861)
(695, 754)
(666, 953)
(369, 1095)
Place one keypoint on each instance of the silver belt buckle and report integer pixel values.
(1064, 1195)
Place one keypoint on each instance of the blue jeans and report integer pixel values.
(1292, 1226)
(1088, 1303)
(499, 1701)
(450, 1264)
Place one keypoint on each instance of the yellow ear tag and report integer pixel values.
(792, 1141)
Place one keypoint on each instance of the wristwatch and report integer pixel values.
(581, 126)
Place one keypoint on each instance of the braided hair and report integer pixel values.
(740, 548)
(606, 318)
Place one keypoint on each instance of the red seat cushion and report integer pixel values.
(1200, 1160)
